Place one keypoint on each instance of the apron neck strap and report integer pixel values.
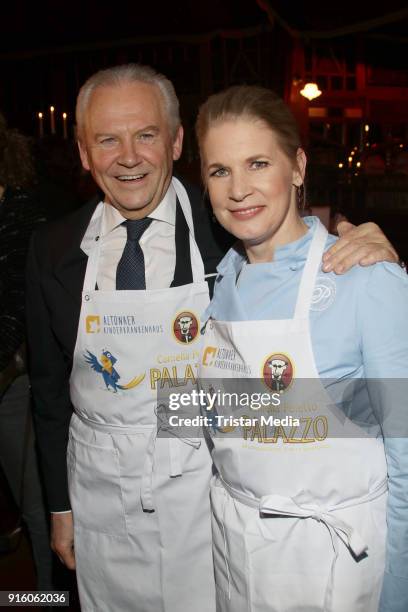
(310, 271)
(183, 274)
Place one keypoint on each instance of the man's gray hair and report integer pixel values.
(129, 73)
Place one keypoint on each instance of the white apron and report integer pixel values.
(140, 503)
(298, 517)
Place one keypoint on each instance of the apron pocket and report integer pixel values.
(95, 488)
(229, 554)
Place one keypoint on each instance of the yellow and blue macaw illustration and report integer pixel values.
(109, 374)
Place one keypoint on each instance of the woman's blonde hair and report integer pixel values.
(253, 102)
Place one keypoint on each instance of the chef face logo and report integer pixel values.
(185, 327)
(277, 372)
(92, 324)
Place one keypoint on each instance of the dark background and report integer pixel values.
(357, 56)
(356, 52)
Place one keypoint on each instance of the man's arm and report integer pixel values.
(49, 375)
(365, 244)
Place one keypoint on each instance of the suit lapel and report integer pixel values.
(70, 260)
(183, 274)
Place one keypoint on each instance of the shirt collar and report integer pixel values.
(165, 211)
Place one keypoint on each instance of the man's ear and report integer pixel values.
(300, 168)
(177, 143)
(83, 155)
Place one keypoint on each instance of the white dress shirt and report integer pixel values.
(157, 243)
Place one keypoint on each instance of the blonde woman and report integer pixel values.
(316, 521)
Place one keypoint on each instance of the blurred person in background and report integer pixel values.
(19, 215)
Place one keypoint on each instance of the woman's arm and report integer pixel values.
(384, 320)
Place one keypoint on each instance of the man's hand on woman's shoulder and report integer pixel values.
(364, 244)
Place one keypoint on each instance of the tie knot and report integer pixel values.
(136, 227)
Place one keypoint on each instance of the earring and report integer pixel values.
(300, 192)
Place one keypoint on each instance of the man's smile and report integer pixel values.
(131, 177)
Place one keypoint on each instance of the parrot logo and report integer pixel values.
(109, 374)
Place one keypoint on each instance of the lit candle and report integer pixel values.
(64, 125)
(52, 119)
(40, 125)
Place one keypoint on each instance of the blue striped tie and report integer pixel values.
(130, 273)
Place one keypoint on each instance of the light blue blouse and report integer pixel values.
(359, 330)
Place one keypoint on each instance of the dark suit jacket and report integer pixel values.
(55, 275)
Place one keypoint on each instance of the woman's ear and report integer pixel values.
(300, 168)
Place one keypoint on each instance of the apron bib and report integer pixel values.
(140, 502)
(298, 511)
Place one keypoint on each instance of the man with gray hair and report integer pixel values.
(105, 287)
